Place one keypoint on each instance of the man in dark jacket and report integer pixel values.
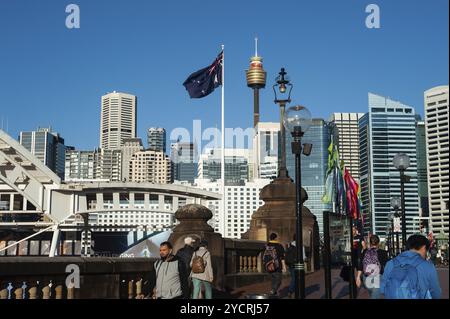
(186, 252)
(171, 275)
(371, 266)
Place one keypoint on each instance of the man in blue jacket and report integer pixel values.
(410, 275)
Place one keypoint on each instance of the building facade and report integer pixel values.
(265, 150)
(437, 139)
(129, 148)
(422, 180)
(117, 119)
(241, 201)
(96, 165)
(150, 166)
(387, 129)
(314, 166)
(156, 137)
(236, 165)
(184, 162)
(47, 146)
(348, 140)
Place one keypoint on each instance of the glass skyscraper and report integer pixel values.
(387, 129)
(236, 166)
(47, 146)
(184, 162)
(422, 168)
(314, 166)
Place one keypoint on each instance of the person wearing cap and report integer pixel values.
(203, 277)
(186, 252)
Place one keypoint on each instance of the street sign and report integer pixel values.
(397, 225)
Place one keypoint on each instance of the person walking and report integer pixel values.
(290, 260)
(185, 253)
(274, 263)
(371, 266)
(202, 271)
(171, 275)
(410, 275)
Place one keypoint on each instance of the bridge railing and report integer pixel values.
(75, 278)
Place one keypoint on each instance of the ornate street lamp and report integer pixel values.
(401, 162)
(282, 90)
(297, 120)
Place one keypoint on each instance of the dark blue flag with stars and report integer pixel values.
(203, 82)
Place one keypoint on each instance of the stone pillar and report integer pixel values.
(277, 215)
(193, 220)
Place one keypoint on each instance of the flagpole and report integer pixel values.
(223, 143)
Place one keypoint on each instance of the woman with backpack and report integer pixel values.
(371, 267)
(202, 272)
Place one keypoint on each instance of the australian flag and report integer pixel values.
(203, 82)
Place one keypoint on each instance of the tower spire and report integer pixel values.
(256, 46)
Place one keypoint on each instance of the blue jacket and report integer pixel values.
(428, 278)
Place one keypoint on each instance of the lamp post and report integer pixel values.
(297, 120)
(395, 204)
(401, 162)
(282, 90)
(391, 233)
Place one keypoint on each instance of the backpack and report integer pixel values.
(270, 259)
(198, 264)
(403, 282)
(291, 254)
(371, 264)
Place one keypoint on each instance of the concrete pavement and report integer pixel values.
(315, 287)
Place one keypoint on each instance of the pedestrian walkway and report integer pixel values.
(315, 287)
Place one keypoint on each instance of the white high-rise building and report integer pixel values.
(117, 120)
(97, 165)
(241, 201)
(150, 166)
(348, 139)
(265, 150)
(437, 139)
(387, 129)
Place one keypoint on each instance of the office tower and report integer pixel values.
(156, 139)
(47, 146)
(437, 133)
(184, 162)
(129, 148)
(150, 166)
(96, 165)
(118, 119)
(314, 166)
(422, 184)
(348, 140)
(387, 129)
(240, 203)
(236, 165)
(265, 150)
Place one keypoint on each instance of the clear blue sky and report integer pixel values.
(50, 75)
